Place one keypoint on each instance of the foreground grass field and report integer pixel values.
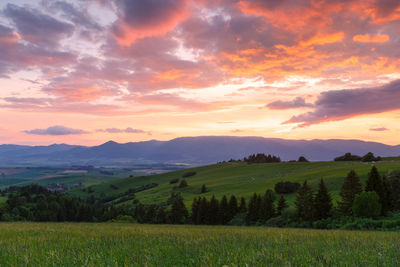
(73, 244)
(240, 179)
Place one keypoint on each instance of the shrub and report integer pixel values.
(183, 184)
(188, 174)
(174, 181)
(286, 187)
(367, 205)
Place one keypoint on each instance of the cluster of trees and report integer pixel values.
(261, 158)
(36, 203)
(369, 157)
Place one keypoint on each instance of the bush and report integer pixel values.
(174, 181)
(367, 205)
(286, 187)
(238, 220)
(183, 184)
(188, 174)
(348, 157)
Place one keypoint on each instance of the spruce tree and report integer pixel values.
(179, 213)
(387, 203)
(282, 204)
(350, 188)
(243, 205)
(304, 203)
(202, 216)
(374, 183)
(233, 207)
(213, 211)
(267, 210)
(224, 216)
(195, 211)
(322, 202)
(252, 211)
(203, 189)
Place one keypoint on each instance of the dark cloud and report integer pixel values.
(342, 104)
(56, 130)
(36, 27)
(381, 129)
(139, 13)
(126, 130)
(298, 102)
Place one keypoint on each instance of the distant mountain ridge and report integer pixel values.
(188, 150)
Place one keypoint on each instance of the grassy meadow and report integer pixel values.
(240, 179)
(118, 244)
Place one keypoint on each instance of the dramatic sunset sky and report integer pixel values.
(84, 72)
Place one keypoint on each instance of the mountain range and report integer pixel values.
(190, 151)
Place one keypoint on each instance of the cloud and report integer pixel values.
(139, 19)
(366, 38)
(56, 130)
(338, 105)
(126, 130)
(298, 102)
(36, 27)
(381, 129)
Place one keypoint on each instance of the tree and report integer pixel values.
(243, 205)
(203, 189)
(252, 211)
(233, 207)
(281, 205)
(350, 188)
(302, 159)
(213, 211)
(374, 183)
(322, 202)
(179, 213)
(202, 216)
(367, 205)
(195, 211)
(369, 157)
(224, 214)
(304, 203)
(267, 206)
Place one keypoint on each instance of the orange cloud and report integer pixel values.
(366, 38)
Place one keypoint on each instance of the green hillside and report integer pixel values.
(236, 178)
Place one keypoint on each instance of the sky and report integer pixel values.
(85, 72)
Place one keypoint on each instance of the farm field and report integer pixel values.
(119, 244)
(238, 178)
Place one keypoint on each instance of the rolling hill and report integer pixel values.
(236, 178)
(187, 151)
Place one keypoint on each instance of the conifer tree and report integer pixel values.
(213, 211)
(387, 203)
(202, 217)
(243, 205)
(267, 210)
(179, 213)
(252, 211)
(203, 189)
(322, 202)
(224, 216)
(350, 188)
(282, 204)
(195, 211)
(304, 203)
(233, 207)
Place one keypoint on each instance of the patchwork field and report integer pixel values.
(83, 244)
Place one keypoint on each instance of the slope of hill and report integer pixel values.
(240, 179)
(192, 151)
